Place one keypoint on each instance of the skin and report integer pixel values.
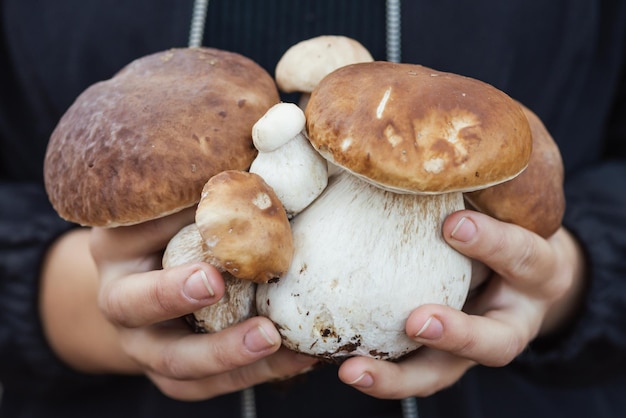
(123, 309)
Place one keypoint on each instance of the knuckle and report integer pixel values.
(110, 306)
(170, 365)
(465, 344)
(160, 296)
(524, 263)
(511, 347)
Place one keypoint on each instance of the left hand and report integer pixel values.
(535, 287)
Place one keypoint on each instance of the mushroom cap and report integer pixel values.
(304, 64)
(535, 199)
(409, 128)
(280, 124)
(244, 226)
(142, 144)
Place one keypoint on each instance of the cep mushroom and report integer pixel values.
(143, 144)
(244, 226)
(410, 141)
(306, 63)
(535, 199)
(242, 229)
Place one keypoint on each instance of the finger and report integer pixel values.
(508, 249)
(154, 296)
(128, 242)
(277, 366)
(426, 372)
(180, 355)
(492, 340)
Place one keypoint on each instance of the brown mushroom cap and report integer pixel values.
(142, 144)
(409, 128)
(244, 226)
(535, 199)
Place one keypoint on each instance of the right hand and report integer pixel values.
(144, 304)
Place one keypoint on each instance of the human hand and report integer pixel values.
(535, 287)
(145, 302)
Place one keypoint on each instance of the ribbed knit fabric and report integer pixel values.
(265, 29)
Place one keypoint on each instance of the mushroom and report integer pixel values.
(286, 159)
(369, 250)
(535, 199)
(241, 229)
(304, 64)
(144, 143)
(244, 227)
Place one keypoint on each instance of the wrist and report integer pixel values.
(73, 325)
(571, 271)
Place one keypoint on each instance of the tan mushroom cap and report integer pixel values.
(535, 199)
(244, 226)
(409, 128)
(142, 144)
(304, 64)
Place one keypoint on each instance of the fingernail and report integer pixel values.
(365, 380)
(197, 286)
(257, 340)
(464, 230)
(431, 330)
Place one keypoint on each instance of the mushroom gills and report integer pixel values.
(364, 259)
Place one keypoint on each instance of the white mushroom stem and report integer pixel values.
(286, 160)
(364, 259)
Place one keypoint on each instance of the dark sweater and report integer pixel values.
(563, 59)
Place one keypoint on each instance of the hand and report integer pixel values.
(535, 288)
(138, 327)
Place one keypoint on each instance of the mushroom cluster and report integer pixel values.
(411, 144)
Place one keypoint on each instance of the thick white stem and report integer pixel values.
(295, 171)
(364, 259)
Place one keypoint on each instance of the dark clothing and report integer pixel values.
(563, 59)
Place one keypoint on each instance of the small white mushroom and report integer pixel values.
(286, 161)
(304, 64)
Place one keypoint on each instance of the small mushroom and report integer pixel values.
(286, 159)
(304, 64)
(244, 227)
(410, 141)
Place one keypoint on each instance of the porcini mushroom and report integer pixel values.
(142, 144)
(410, 141)
(244, 227)
(535, 199)
(286, 159)
(304, 64)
